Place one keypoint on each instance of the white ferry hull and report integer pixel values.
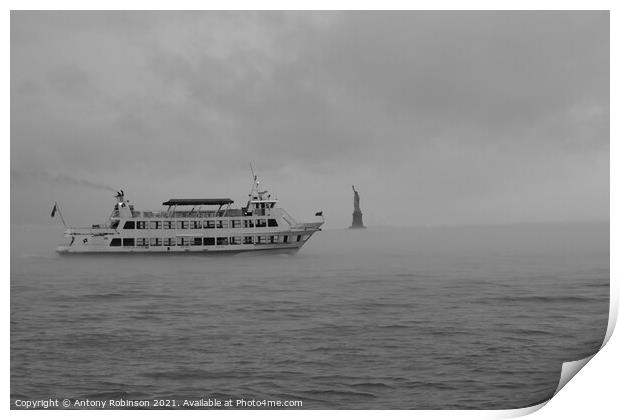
(217, 249)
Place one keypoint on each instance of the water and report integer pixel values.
(458, 318)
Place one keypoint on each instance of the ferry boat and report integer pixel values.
(194, 225)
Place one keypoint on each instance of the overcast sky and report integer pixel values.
(436, 117)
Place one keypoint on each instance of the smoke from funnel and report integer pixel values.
(58, 178)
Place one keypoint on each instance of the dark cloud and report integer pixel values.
(439, 117)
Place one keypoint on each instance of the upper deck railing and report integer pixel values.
(197, 214)
(93, 230)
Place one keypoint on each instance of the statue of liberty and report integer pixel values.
(357, 212)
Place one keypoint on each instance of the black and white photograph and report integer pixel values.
(306, 210)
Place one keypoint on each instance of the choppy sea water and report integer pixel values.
(437, 318)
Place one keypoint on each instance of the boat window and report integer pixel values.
(248, 223)
(272, 223)
(114, 224)
(235, 224)
(222, 241)
(285, 239)
(129, 242)
(183, 241)
(156, 242)
(115, 242)
(273, 239)
(235, 240)
(168, 224)
(142, 242)
(298, 238)
(209, 241)
(141, 225)
(209, 224)
(130, 224)
(197, 241)
(261, 223)
(195, 224)
(156, 225)
(169, 241)
(182, 224)
(222, 224)
(248, 240)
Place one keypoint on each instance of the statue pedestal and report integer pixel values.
(357, 221)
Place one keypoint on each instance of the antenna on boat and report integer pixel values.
(254, 179)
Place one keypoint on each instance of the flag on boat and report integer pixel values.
(319, 213)
(54, 210)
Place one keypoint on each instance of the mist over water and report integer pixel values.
(435, 121)
(471, 317)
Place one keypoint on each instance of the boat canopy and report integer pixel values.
(198, 202)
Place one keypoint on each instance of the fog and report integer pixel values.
(438, 118)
